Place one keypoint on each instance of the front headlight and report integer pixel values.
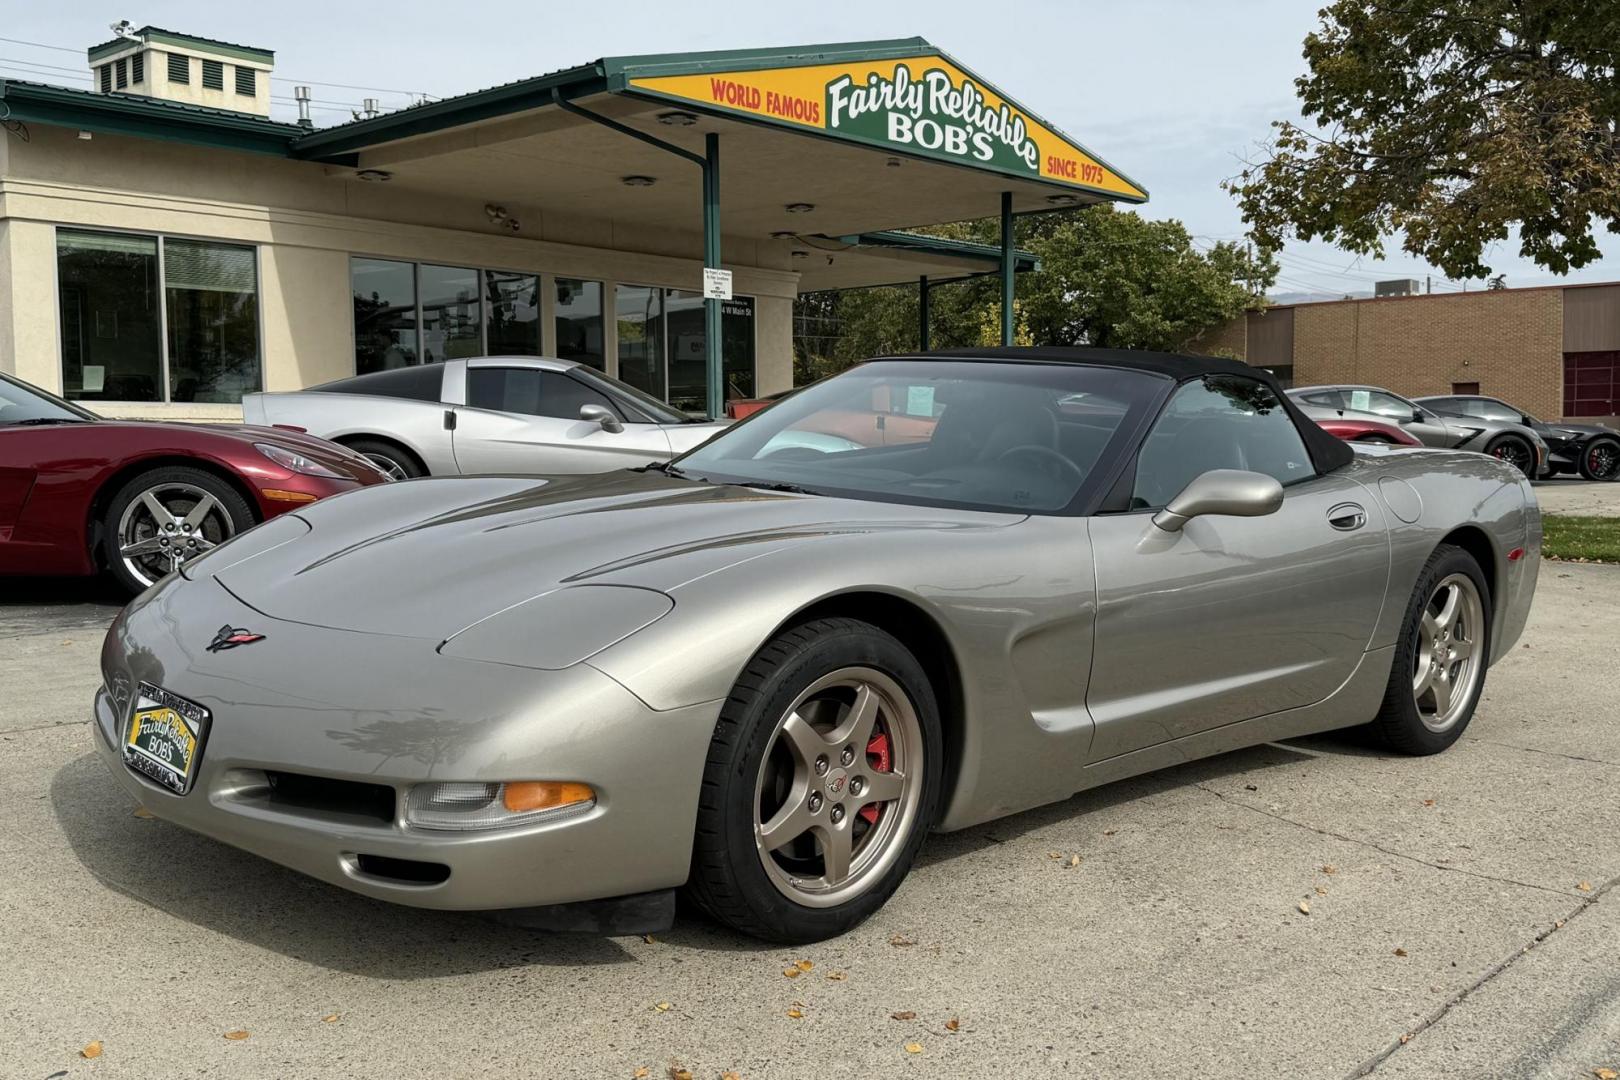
(293, 461)
(460, 807)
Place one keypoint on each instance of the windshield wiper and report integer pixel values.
(791, 489)
(36, 421)
(669, 470)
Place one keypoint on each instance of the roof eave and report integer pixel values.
(112, 114)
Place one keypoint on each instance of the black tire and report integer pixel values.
(1515, 451)
(234, 515)
(389, 456)
(1600, 459)
(1399, 726)
(728, 877)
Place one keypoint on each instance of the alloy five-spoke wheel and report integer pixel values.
(1438, 669)
(1447, 663)
(1516, 452)
(821, 780)
(1602, 460)
(838, 789)
(167, 517)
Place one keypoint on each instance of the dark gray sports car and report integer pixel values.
(765, 671)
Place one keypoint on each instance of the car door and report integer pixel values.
(1231, 617)
(1425, 426)
(525, 420)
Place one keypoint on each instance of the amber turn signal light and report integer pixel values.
(279, 495)
(522, 795)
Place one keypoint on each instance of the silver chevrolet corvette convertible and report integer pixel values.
(923, 594)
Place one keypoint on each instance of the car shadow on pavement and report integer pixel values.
(230, 892)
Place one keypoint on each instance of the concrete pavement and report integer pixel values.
(1462, 902)
(1578, 497)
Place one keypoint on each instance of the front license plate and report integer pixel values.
(165, 737)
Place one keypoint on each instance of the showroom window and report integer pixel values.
(155, 319)
(579, 322)
(409, 313)
(662, 344)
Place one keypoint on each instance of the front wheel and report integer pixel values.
(165, 517)
(1515, 451)
(822, 779)
(1601, 459)
(1440, 662)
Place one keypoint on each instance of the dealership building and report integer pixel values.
(166, 247)
(1554, 352)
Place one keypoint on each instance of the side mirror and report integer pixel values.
(1417, 416)
(1232, 492)
(601, 414)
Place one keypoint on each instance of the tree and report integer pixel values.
(1108, 278)
(1449, 122)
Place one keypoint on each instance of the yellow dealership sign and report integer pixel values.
(923, 105)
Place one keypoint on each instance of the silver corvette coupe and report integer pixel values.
(763, 672)
(532, 416)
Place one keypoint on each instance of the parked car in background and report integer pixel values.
(1588, 450)
(1360, 429)
(79, 493)
(521, 415)
(766, 677)
(1511, 442)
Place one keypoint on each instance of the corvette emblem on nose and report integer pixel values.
(229, 637)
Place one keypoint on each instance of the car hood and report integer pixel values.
(684, 437)
(1584, 429)
(427, 558)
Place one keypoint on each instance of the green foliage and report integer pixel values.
(1108, 278)
(1448, 122)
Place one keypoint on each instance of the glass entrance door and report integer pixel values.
(663, 345)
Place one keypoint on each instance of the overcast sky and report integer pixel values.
(1171, 92)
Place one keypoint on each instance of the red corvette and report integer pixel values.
(1367, 431)
(79, 493)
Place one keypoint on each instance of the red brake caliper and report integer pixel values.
(878, 757)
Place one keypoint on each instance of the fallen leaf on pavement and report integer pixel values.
(236, 1036)
(1605, 1074)
(795, 1013)
(649, 939)
(1428, 802)
(676, 1072)
(330, 1018)
(143, 812)
(836, 976)
(791, 973)
(1321, 891)
(900, 941)
(1074, 860)
(663, 1006)
(1329, 868)
(1250, 787)
(953, 1024)
(92, 1050)
(913, 1048)
(1406, 1039)
(1304, 907)
(1110, 832)
(1054, 854)
(804, 965)
(907, 1015)
(730, 1075)
(1585, 886)
(1400, 952)
(641, 1073)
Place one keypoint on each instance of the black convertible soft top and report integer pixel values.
(1327, 452)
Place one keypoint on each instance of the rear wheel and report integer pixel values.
(391, 458)
(1601, 459)
(821, 782)
(1515, 451)
(165, 517)
(1439, 667)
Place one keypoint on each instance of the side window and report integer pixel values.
(1327, 399)
(531, 392)
(1376, 401)
(1496, 410)
(1218, 422)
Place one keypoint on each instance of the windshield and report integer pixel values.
(656, 411)
(21, 403)
(979, 435)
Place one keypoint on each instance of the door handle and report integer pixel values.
(449, 419)
(1347, 517)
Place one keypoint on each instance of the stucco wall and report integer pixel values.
(307, 220)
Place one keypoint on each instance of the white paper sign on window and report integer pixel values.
(716, 283)
(1361, 400)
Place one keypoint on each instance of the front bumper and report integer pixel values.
(389, 712)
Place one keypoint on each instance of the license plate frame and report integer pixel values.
(164, 738)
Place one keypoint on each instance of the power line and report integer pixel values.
(42, 45)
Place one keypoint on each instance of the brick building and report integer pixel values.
(1553, 351)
